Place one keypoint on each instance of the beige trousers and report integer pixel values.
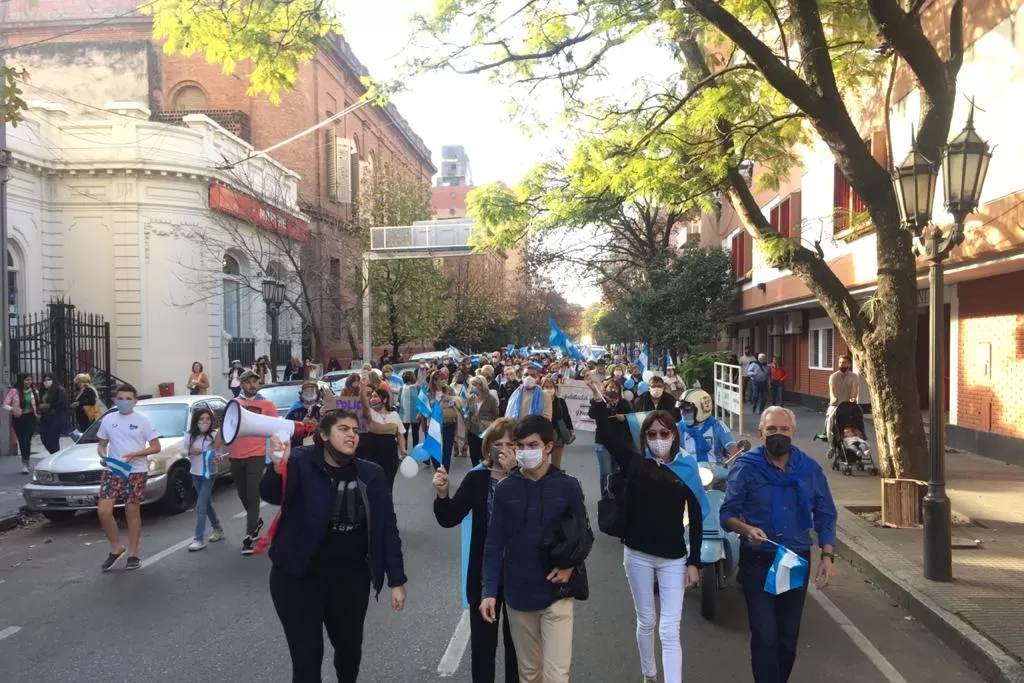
(543, 642)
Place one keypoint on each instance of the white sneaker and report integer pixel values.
(217, 535)
(196, 545)
(24, 469)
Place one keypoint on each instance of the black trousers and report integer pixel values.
(24, 428)
(774, 619)
(483, 643)
(306, 606)
(415, 433)
(475, 448)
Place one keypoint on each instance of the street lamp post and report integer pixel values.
(964, 167)
(273, 295)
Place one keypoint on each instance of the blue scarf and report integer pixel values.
(802, 466)
(536, 403)
(697, 434)
(688, 472)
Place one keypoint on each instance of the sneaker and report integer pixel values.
(217, 535)
(132, 564)
(24, 469)
(112, 559)
(196, 545)
(247, 545)
(259, 527)
(650, 679)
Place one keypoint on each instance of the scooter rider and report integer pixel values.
(700, 434)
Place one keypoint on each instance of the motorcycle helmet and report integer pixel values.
(697, 399)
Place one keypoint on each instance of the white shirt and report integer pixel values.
(204, 442)
(390, 417)
(127, 434)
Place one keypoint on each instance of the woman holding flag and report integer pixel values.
(660, 485)
(202, 446)
(471, 508)
(438, 392)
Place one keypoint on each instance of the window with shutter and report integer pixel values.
(343, 170)
(332, 165)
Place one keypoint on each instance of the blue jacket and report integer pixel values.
(751, 496)
(524, 511)
(306, 512)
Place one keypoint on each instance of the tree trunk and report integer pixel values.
(354, 345)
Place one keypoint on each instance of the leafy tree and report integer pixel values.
(761, 78)
(613, 326)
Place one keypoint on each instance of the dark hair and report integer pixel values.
(385, 396)
(664, 417)
(202, 409)
(327, 422)
(20, 381)
(195, 363)
(535, 424)
(409, 377)
(656, 382)
(128, 389)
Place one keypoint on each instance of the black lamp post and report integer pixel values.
(964, 166)
(273, 295)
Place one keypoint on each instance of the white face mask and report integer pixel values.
(203, 427)
(529, 382)
(656, 393)
(618, 373)
(530, 459)
(660, 448)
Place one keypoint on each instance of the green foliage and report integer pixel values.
(409, 301)
(11, 102)
(275, 37)
(613, 326)
(700, 367)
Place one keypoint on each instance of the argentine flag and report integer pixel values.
(641, 360)
(430, 448)
(668, 360)
(423, 402)
(787, 572)
(117, 466)
(635, 421)
(209, 470)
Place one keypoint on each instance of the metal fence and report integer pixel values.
(280, 352)
(64, 342)
(242, 349)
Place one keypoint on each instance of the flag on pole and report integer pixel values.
(510, 351)
(558, 338)
(787, 572)
(430, 447)
(668, 360)
(423, 402)
(117, 466)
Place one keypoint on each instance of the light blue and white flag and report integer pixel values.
(635, 421)
(117, 466)
(668, 360)
(430, 447)
(641, 360)
(559, 339)
(787, 572)
(209, 469)
(466, 537)
(423, 402)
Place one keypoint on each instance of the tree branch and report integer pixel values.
(814, 48)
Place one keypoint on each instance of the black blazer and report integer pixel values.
(471, 496)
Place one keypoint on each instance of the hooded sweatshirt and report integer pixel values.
(524, 511)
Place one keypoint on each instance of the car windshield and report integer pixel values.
(282, 396)
(169, 420)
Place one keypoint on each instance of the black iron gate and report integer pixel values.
(63, 342)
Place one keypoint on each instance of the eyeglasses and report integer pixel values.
(659, 433)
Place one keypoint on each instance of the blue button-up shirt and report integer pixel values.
(749, 498)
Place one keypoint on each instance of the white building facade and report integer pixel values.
(153, 228)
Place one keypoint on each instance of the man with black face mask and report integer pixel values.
(777, 493)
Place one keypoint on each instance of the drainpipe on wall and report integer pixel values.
(5, 324)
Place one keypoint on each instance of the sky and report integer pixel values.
(453, 109)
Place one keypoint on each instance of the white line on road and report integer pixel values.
(9, 631)
(153, 559)
(241, 514)
(858, 638)
(456, 647)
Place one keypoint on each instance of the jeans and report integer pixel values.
(605, 463)
(52, 426)
(247, 473)
(306, 606)
(760, 397)
(641, 571)
(204, 505)
(24, 428)
(777, 390)
(774, 619)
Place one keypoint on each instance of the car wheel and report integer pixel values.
(58, 516)
(179, 491)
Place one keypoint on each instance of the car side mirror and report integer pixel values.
(743, 445)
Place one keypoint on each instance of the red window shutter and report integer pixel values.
(840, 200)
(784, 218)
(773, 218)
(736, 256)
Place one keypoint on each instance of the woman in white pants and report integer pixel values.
(654, 542)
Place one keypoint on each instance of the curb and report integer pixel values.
(10, 520)
(896, 577)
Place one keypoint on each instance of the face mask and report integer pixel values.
(656, 393)
(308, 396)
(660, 448)
(124, 405)
(375, 405)
(618, 373)
(778, 445)
(47, 383)
(530, 459)
(204, 427)
(689, 419)
(529, 382)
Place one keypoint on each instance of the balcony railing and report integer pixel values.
(242, 349)
(427, 235)
(234, 121)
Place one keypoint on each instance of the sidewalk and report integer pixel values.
(980, 614)
(11, 481)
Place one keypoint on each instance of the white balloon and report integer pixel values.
(409, 468)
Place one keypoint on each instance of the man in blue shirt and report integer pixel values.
(776, 494)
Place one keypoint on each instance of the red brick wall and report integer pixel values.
(991, 355)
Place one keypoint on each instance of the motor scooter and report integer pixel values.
(720, 548)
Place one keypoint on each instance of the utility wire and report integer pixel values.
(85, 27)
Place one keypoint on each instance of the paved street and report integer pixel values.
(208, 617)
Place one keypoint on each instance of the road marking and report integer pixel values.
(456, 647)
(165, 552)
(9, 631)
(859, 639)
(243, 513)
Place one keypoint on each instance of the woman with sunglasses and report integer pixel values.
(660, 485)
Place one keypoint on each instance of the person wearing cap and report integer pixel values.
(306, 408)
(248, 455)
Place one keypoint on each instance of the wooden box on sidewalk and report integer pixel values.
(901, 502)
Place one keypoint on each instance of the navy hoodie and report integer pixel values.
(524, 511)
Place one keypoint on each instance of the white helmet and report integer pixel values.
(700, 400)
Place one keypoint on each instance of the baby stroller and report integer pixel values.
(848, 447)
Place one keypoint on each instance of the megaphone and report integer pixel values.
(239, 422)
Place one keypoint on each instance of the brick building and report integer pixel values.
(98, 51)
(984, 311)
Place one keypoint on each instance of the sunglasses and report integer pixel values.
(659, 433)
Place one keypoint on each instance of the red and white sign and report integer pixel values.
(246, 208)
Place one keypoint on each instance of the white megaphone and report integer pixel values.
(239, 422)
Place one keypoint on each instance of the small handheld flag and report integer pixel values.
(668, 360)
(787, 572)
(641, 360)
(423, 402)
(117, 466)
(209, 470)
(430, 448)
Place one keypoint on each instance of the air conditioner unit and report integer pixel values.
(776, 326)
(794, 323)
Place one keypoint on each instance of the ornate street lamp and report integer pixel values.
(964, 167)
(273, 295)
